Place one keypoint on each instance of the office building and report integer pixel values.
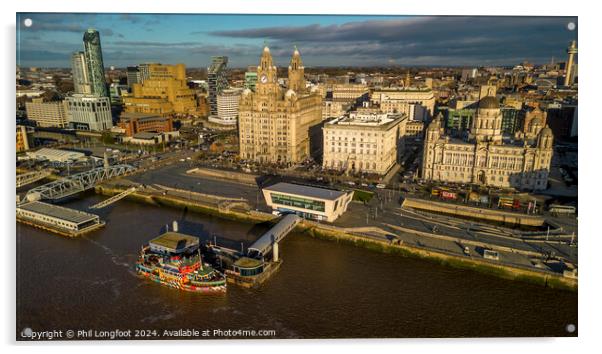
(134, 123)
(276, 124)
(217, 79)
(362, 142)
(251, 78)
(89, 112)
(95, 64)
(134, 76)
(79, 72)
(395, 99)
(227, 107)
(163, 92)
(47, 114)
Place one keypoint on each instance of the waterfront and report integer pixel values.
(323, 289)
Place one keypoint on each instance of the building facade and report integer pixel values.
(95, 64)
(362, 142)
(251, 78)
(135, 123)
(217, 77)
(47, 114)
(22, 138)
(89, 112)
(396, 99)
(227, 107)
(483, 158)
(163, 92)
(307, 201)
(79, 72)
(275, 124)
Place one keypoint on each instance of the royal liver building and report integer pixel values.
(484, 157)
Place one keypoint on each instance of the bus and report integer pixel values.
(562, 209)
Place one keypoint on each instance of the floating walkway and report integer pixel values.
(114, 198)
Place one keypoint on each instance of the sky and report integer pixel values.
(324, 40)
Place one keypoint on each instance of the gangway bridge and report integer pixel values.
(114, 198)
(269, 240)
(77, 183)
(31, 177)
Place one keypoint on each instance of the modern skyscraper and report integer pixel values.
(571, 51)
(79, 70)
(217, 77)
(96, 71)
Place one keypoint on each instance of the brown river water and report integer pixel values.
(323, 289)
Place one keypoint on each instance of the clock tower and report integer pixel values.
(267, 79)
(296, 73)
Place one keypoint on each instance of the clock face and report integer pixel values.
(264, 79)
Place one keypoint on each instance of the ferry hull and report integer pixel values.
(201, 288)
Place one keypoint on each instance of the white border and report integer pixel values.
(589, 308)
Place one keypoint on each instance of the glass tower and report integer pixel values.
(79, 70)
(218, 81)
(96, 71)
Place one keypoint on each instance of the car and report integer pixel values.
(381, 186)
(351, 183)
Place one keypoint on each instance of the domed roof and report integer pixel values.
(290, 93)
(546, 131)
(489, 102)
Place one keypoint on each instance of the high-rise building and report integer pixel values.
(276, 125)
(571, 51)
(133, 75)
(47, 114)
(163, 92)
(227, 107)
(483, 158)
(251, 78)
(89, 112)
(217, 80)
(96, 70)
(79, 70)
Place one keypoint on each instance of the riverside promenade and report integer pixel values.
(525, 262)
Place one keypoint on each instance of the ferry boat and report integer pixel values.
(174, 260)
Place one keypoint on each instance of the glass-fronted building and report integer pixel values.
(96, 71)
(307, 201)
(217, 80)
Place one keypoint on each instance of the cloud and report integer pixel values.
(491, 39)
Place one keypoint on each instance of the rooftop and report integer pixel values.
(368, 119)
(246, 262)
(175, 240)
(55, 211)
(305, 191)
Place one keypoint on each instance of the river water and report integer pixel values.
(323, 289)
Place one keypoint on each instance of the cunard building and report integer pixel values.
(485, 157)
(275, 123)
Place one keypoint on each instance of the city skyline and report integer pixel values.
(323, 40)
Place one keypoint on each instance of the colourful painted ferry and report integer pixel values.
(174, 259)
